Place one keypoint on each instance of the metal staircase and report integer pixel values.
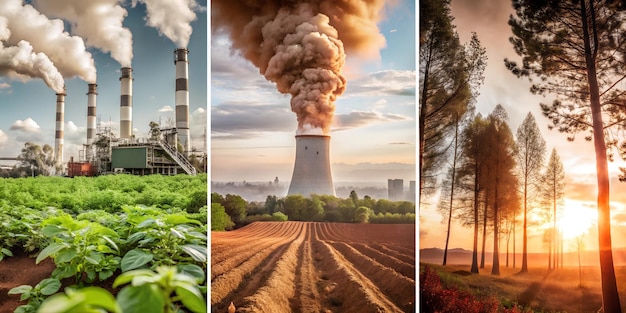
(180, 159)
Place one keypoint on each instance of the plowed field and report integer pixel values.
(314, 267)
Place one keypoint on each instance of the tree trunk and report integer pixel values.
(482, 253)
(475, 247)
(550, 251)
(422, 123)
(610, 297)
(580, 269)
(495, 269)
(456, 148)
(525, 234)
(561, 258)
(445, 250)
(514, 225)
(508, 239)
(554, 231)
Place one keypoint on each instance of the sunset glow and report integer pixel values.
(576, 219)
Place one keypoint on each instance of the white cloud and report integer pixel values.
(249, 119)
(357, 119)
(70, 127)
(28, 126)
(198, 121)
(381, 103)
(72, 134)
(389, 82)
(166, 108)
(197, 126)
(3, 137)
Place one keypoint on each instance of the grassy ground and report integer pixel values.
(542, 290)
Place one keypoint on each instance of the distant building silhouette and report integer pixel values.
(395, 189)
(412, 191)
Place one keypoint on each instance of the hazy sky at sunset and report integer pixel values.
(489, 20)
(373, 138)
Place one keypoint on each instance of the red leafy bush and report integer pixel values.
(434, 298)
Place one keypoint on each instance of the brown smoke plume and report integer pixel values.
(301, 46)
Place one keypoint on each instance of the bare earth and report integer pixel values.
(20, 270)
(314, 267)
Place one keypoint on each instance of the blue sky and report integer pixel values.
(29, 107)
(373, 138)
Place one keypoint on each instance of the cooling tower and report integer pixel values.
(182, 97)
(58, 136)
(311, 172)
(126, 103)
(91, 113)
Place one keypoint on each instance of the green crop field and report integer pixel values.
(119, 243)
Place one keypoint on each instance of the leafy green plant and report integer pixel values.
(88, 299)
(80, 248)
(35, 295)
(166, 240)
(163, 291)
(20, 227)
(167, 290)
(5, 252)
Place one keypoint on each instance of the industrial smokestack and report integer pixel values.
(126, 103)
(58, 136)
(91, 113)
(182, 97)
(311, 172)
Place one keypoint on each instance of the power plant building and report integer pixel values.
(311, 173)
(106, 153)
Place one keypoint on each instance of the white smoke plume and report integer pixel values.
(301, 45)
(47, 36)
(20, 62)
(172, 18)
(98, 22)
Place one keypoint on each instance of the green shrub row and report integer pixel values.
(108, 193)
(233, 211)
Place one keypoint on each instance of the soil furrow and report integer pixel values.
(348, 290)
(274, 295)
(399, 288)
(254, 269)
(314, 267)
(236, 257)
(408, 258)
(404, 268)
(307, 296)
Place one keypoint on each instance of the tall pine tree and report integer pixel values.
(574, 50)
(530, 153)
(444, 89)
(553, 191)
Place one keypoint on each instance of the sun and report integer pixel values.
(576, 218)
